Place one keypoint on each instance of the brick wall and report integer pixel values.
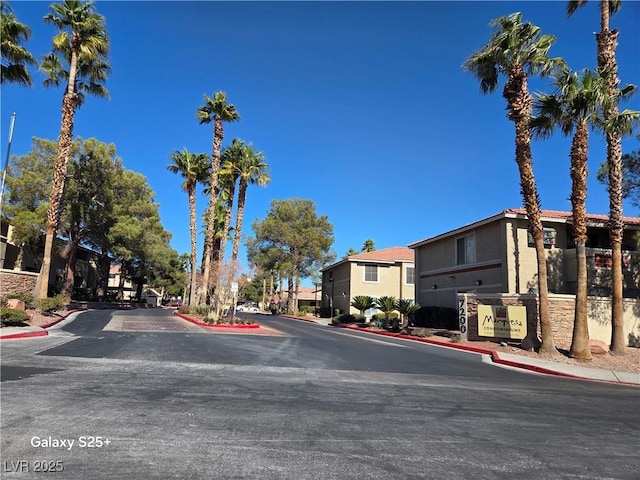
(561, 311)
(15, 281)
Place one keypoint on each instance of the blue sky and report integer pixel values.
(362, 107)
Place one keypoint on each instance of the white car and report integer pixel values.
(247, 308)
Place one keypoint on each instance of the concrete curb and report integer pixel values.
(494, 355)
(30, 334)
(213, 325)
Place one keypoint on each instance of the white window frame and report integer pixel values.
(406, 275)
(377, 273)
(469, 249)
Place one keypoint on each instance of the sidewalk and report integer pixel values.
(508, 360)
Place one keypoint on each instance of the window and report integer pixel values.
(370, 273)
(548, 238)
(466, 250)
(410, 276)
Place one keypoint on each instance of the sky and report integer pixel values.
(362, 107)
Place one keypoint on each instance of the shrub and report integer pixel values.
(10, 316)
(201, 310)
(183, 309)
(50, 305)
(346, 318)
(379, 321)
(27, 298)
(436, 317)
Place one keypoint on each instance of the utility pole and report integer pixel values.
(6, 161)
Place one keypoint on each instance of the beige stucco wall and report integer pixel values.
(348, 282)
(439, 279)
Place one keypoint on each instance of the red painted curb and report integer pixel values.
(298, 318)
(213, 325)
(13, 336)
(495, 357)
(423, 340)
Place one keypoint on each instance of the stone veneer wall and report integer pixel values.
(561, 310)
(12, 281)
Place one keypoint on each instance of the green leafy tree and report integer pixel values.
(194, 168)
(516, 50)
(294, 239)
(28, 187)
(218, 111)
(631, 176)
(606, 43)
(78, 59)
(87, 205)
(363, 303)
(15, 57)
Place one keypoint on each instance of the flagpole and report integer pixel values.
(6, 161)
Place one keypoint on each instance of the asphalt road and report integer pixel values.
(144, 395)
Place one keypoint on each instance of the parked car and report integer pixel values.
(247, 307)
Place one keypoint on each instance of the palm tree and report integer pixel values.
(363, 303)
(368, 246)
(608, 66)
(574, 107)
(517, 50)
(227, 179)
(406, 307)
(386, 305)
(78, 58)
(15, 58)
(252, 170)
(215, 110)
(194, 168)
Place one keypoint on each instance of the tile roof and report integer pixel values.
(393, 254)
(559, 215)
(385, 255)
(547, 215)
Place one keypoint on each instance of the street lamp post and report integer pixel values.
(6, 161)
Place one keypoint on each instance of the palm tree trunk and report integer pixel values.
(103, 276)
(194, 253)
(228, 213)
(520, 105)
(579, 173)
(616, 232)
(215, 191)
(70, 266)
(242, 197)
(57, 189)
(607, 41)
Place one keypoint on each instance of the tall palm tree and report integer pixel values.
(252, 170)
(78, 58)
(194, 168)
(15, 58)
(574, 107)
(606, 41)
(227, 180)
(218, 111)
(517, 50)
